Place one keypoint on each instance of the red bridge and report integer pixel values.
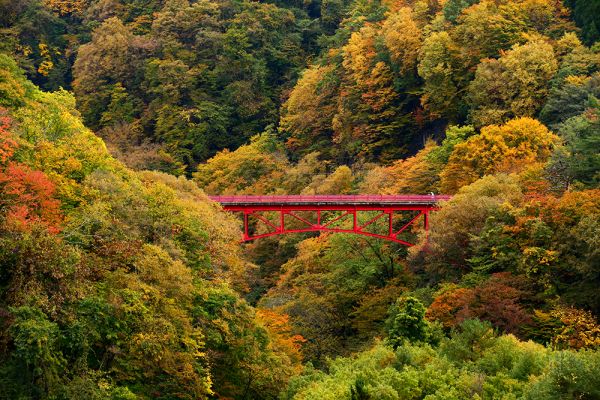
(386, 217)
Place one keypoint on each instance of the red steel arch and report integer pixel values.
(350, 206)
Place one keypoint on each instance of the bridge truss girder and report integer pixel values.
(317, 224)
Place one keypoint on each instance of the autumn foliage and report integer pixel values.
(283, 339)
(7, 143)
(121, 279)
(64, 7)
(512, 147)
(28, 198)
(497, 300)
(27, 195)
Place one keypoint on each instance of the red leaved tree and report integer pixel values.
(26, 196)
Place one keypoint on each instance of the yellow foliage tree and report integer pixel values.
(515, 85)
(359, 54)
(64, 7)
(441, 68)
(370, 118)
(372, 78)
(512, 147)
(308, 112)
(239, 171)
(580, 329)
(339, 182)
(403, 38)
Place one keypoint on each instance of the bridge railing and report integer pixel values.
(339, 199)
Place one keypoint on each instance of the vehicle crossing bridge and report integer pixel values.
(386, 217)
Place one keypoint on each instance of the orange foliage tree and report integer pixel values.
(283, 340)
(7, 143)
(448, 306)
(495, 300)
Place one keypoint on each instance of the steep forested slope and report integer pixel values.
(120, 279)
(168, 84)
(407, 69)
(172, 81)
(116, 284)
(517, 244)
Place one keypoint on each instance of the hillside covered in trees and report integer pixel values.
(121, 279)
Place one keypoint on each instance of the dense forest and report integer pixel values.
(121, 279)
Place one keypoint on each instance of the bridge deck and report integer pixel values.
(331, 200)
